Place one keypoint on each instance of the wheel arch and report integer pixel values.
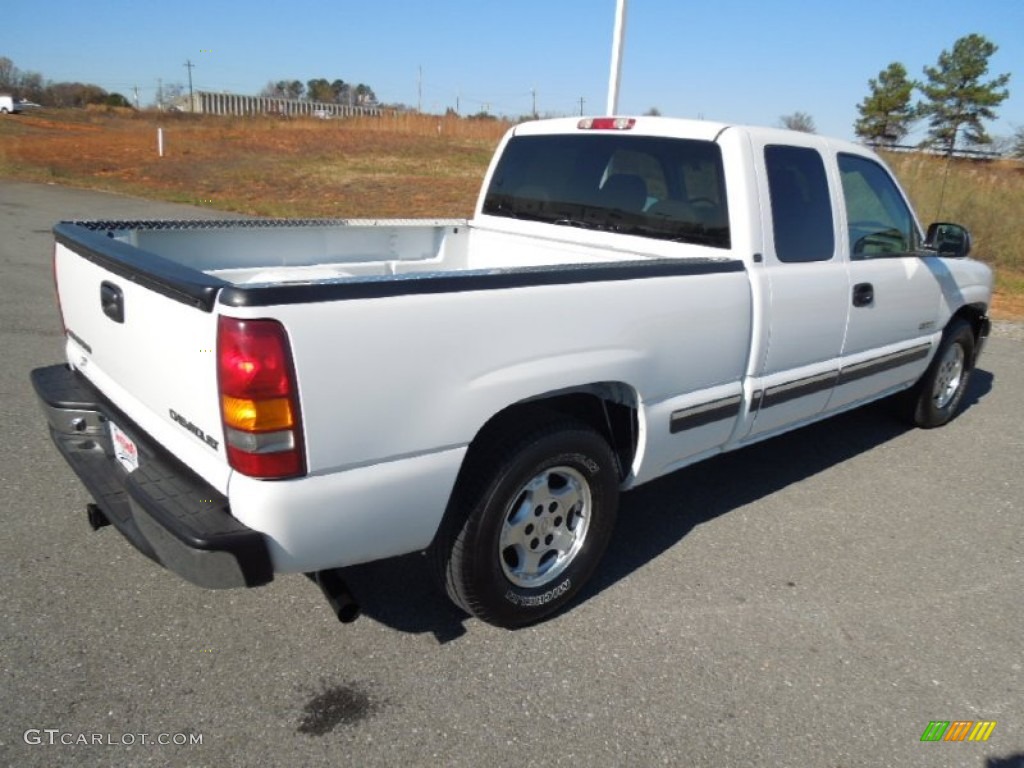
(976, 315)
(609, 407)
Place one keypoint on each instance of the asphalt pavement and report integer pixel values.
(816, 600)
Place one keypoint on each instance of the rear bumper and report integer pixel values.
(164, 509)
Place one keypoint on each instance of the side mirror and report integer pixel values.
(948, 239)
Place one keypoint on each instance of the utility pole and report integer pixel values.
(419, 90)
(191, 101)
(616, 72)
(533, 93)
(582, 102)
(136, 89)
(160, 93)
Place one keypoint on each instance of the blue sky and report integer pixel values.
(729, 60)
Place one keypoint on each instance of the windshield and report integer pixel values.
(668, 189)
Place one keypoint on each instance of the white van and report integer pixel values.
(8, 104)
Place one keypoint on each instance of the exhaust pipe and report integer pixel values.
(97, 519)
(340, 599)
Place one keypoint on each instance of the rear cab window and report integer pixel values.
(801, 204)
(661, 188)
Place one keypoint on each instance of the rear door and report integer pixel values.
(805, 280)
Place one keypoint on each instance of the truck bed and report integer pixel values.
(248, 262)
(259, 251)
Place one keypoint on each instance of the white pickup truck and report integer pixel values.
(632, 295)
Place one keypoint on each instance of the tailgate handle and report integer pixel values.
(112, 300)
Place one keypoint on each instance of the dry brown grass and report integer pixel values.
(403, 166)
(987, 198)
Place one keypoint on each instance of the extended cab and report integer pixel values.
(632, 295)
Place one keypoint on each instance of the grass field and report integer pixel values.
(986, 197)
(404, 166)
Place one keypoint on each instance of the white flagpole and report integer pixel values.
(616, 73)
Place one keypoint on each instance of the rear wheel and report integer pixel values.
(528, 522)
(934, 400)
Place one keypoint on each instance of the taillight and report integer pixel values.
(606, 123)
(259, 402)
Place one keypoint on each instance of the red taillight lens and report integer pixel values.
(254, 358)
(259, 399)
(606, 123)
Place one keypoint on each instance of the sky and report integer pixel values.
(738, 61)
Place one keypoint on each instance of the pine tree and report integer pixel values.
(957, 99)
(1017, 149)
(798, 121)
(886, 113)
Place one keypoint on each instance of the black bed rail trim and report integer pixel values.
(471, 280)
(96, 243)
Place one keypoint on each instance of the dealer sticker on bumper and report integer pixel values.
(125, 450)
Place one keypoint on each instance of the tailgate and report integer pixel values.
(146, 346)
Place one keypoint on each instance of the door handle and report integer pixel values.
(863, 295)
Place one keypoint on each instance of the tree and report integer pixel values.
(116, 100)
(274, 90)
(340, 90)
(798, 121)
(1018, 143)
(8, 75)
(171, 94)
(365, 95)
(653, 112)
(73, 94)
(32, 86)
(319, 89)
(957, 98)
(886, 113)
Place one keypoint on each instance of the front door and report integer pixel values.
(893, 315)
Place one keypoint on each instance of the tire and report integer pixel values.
(935, 399)
(530, 517)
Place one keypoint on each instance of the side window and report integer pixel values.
(877, 217)
(801, 206)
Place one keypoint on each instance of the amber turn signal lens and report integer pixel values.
(257, 415)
